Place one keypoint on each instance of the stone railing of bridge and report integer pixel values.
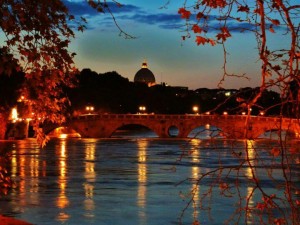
(231, 126)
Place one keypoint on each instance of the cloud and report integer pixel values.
(136, 14)
(165, 21)
(81, 8)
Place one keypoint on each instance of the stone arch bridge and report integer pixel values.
(231, 126)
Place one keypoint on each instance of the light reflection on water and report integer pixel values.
(120, 181)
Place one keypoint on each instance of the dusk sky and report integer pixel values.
(172, 61)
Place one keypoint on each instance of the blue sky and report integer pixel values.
(177, 63)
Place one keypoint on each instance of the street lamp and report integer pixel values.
(89, 109)
(195, 109)
(142, 109)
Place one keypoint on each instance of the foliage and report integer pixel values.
(37, 35)
(279, 69)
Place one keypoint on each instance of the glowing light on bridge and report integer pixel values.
(142, 109)
(63, 136)
(195, 109)
(89, 108)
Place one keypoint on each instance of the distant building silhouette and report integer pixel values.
(144, 75)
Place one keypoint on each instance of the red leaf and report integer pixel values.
(196, 29)
(271, 29)
(201, 40)
(199, 15)
(212, 42)
(279, 221)
(224, 34)
(185, 14)
(261, 206)
(223, 186)
(275, 152)
(243, 9)
(275, 22)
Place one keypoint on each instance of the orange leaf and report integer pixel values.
(275, 152)
(201, 40)
(223, 186)
(271, 29)
(243, 8)
(199, 15)
(196, 29)
(261, 206)
(279, 221)
(275, 22)
(212, 42)
(185, 14)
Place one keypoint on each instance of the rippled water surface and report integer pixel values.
(117, 181)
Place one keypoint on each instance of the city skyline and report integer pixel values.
(173, 61)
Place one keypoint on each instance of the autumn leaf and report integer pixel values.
(279, 221)
(243, 9)
(276, 67)
(261, 206)
(224, 34)
(275, 22)
(200, 15)
(196, 222)
(223, 186)
(92, 4)
(185, 14)
(196, 29)
(271, 29)
(212, 42)
(201, 40)
(275, 152)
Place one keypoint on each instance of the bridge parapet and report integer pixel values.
(232, 126)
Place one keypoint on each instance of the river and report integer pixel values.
(128, 181)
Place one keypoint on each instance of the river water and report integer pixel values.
(127, 181)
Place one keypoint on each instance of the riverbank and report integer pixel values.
(4, 220)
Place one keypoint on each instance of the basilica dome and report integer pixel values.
(144, 75)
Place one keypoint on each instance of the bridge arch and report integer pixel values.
(206, 131)
(60, 130)
(131, 128)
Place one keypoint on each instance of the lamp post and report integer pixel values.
(142, 109)
(89, 109)
(195, 109)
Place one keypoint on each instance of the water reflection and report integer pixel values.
(90, 176)
(250, 173)
(62, 200)
(142, 180)
(62, 184)
(195, 174)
